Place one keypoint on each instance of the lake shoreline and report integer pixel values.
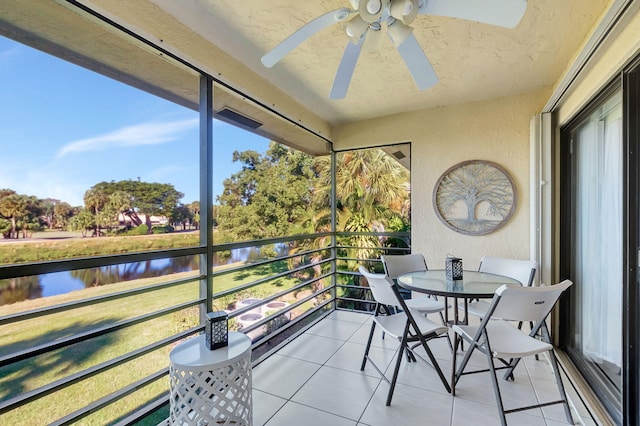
(71, 235)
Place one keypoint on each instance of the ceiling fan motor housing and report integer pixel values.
(375, 18)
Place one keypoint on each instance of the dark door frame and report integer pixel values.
(610, 398)
(631, 291)
(629, 81)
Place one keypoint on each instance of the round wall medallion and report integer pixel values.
(474, 197)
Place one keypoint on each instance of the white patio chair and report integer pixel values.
(396, 265)
(401, 325)
(500, 340)
(521, 270)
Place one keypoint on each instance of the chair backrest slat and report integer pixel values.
(398, 264)
(527, 303)
(381, 287)
(521, 270)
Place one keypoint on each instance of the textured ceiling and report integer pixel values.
(473, 61)
(227, 38)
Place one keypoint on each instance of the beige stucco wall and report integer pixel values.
(496, 130)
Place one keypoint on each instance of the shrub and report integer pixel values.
(167, 229)
(139, 230)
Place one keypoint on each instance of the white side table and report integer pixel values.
(211, 387)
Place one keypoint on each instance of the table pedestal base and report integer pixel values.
(212, 395)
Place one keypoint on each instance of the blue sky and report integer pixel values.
(63, 129)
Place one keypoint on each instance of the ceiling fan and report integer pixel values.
(370, 19)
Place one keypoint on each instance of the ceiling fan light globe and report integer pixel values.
(404, 10)
(374, 6)
(371, 10)
(408, 8)
(356, 27)
(398, 32)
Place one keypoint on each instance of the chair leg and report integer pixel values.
(396, 369)
(453, 364)
(496, 387)
(513, 363)
(366, 350)
(434, 362)
(445, 324)
(563, 395)
(444, 321)
(410, 356)
(450, 344)
(465, 359)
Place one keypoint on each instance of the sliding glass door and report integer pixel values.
(593, 223)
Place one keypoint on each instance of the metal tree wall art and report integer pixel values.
(474, 197)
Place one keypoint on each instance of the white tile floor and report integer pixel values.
(316, 381)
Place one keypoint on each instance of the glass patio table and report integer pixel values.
(473, 285)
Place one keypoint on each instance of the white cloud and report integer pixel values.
(9, 53)
(153, 133)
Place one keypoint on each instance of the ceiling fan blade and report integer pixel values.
(345, 69)
(503, 13)
(288, 44)
(417, 62)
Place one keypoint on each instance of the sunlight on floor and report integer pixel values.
(316, 381)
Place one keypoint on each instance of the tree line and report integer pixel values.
(287, 192)
(109, 208)
(280, 192)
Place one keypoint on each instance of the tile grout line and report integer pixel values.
(289, 400)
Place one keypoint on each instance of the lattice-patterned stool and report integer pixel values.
(211, 387)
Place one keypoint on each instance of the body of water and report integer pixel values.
(15, 290)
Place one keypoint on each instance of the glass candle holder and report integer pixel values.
(216, 330)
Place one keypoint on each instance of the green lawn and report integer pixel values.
(41, 370)
(32, 373)
(38, 250)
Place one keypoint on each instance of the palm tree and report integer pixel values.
(194, 208)
(14, 207)
(94, 201)
(62, 212)
(83, 221)
(371, 191)
(120, 202)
